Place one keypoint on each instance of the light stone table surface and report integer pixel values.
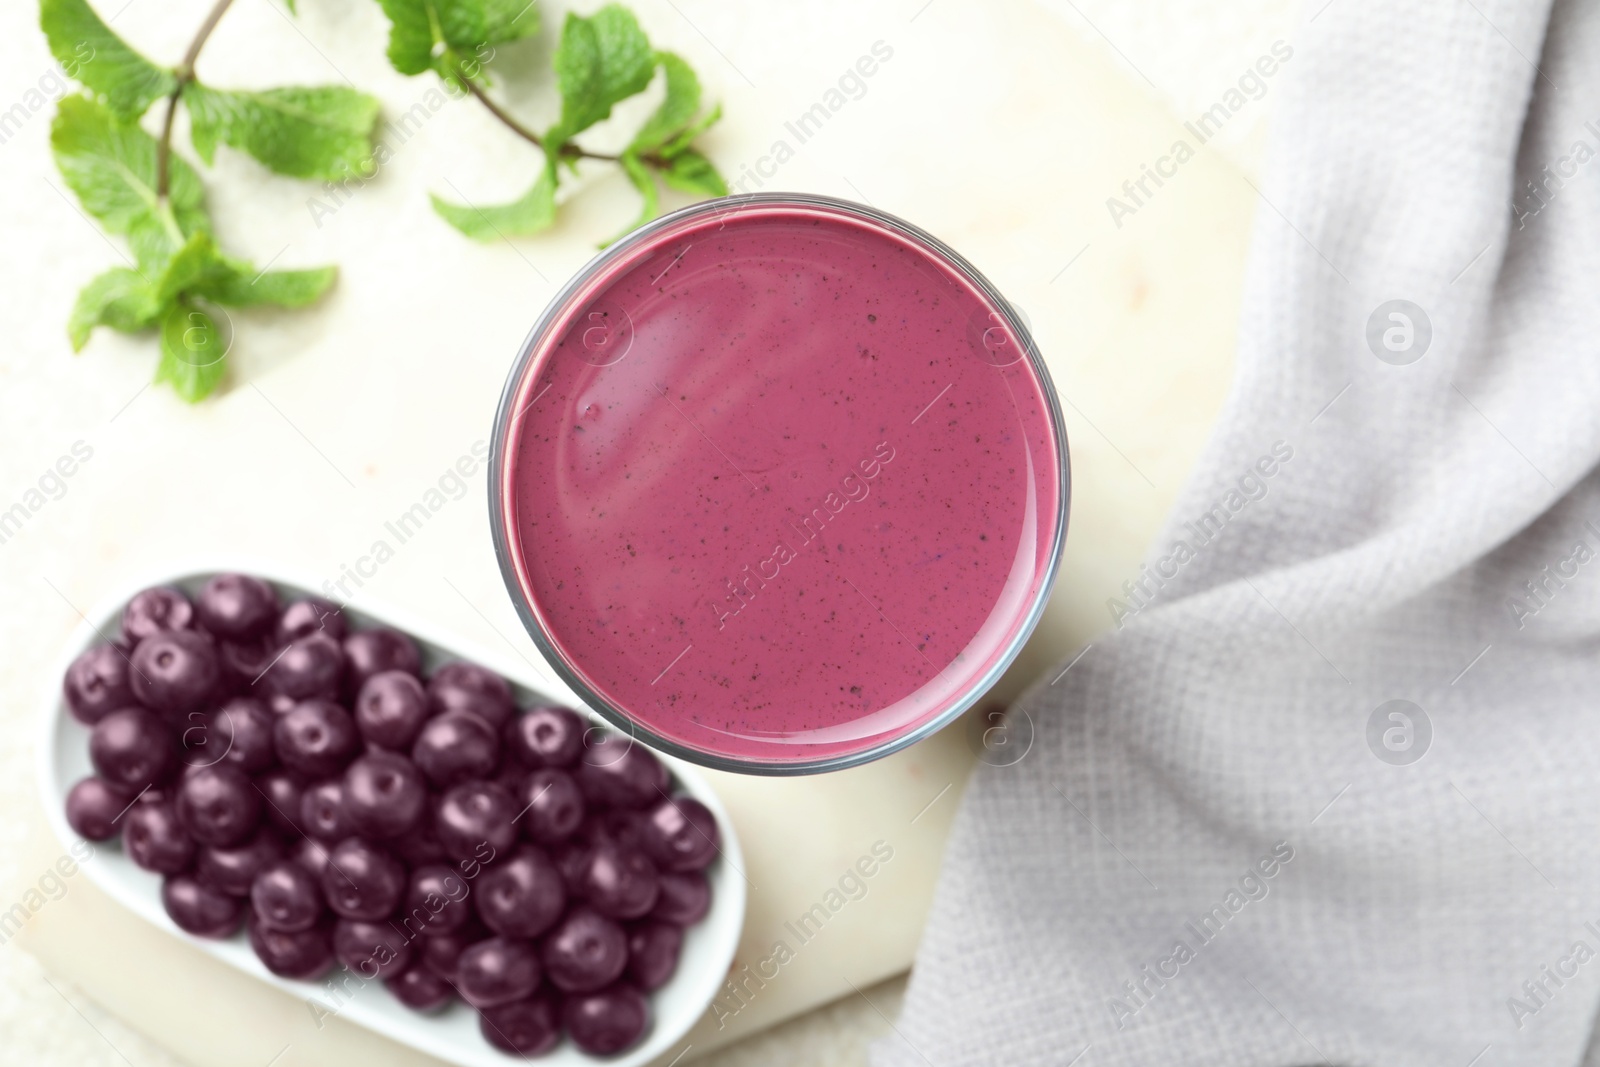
(1001, 127)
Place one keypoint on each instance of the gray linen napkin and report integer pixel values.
(1332, 792)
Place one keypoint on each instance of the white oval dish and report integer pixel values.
(453, 1035)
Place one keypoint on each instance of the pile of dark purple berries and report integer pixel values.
(304, 781)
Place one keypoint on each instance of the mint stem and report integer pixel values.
(185, 74)
(567, 150)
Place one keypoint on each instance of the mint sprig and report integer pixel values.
(600, 60)
(136, 186)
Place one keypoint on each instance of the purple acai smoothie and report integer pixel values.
(780, 485)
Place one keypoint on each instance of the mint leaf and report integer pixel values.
(102, 61)
(111, 166)
(192, 352)
(283, 288)
(691, 172)
(639, 175)
(237, 284)
(119, 298)
(600, 60)
(425, 34)
(470, 23)
(322, 132)
(679, 144)
(411, 34)
(677, 108)
(186, 266)
(535, 210)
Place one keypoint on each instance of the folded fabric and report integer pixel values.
(1331, 790)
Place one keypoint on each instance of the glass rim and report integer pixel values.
(505, 553)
